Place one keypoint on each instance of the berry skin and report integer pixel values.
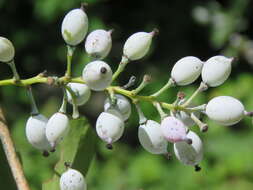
(97, 75)
(189, 154)
(174, 130)
(98, 43)
(72, 180)
(110, 126)
(57, 128)
(36, 132)
(74, 27)
(82, 92)
(216, 70)
(151, 138)
(225, 110)
(123, 105)
(7, 50)
(186, 70)
(137, 45)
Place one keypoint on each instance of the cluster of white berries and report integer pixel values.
(44, 134)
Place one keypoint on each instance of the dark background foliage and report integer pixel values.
(187, 27)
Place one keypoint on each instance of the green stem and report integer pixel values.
(201, 88)
(146, 80)
(121, 67)
(64, 102)
(142, 118)
(70, 52)
(14, 70)
(34, 107)
(75, 113)
(169, 84)
(202, 126)
(160, 110)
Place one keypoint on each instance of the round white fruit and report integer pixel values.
(7, 50)
(225, 110)
(123, 105)
(110, 126)
(137, 45)
(189, 154)
(216, 70)
(97, 75)
(173, 129)
(82, 92)
(151, 138)
(98, 43)
(36, 132)
(74, 27)
(186, 70)
(57, 128)
(72, 180)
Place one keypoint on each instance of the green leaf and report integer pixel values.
(78, 148)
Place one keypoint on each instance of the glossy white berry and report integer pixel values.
(72, 180)
(7, 50)
(110, 126)
(57, 128)
(216, 70)
(36, 132)
(173, 129)
(123, 106)
(74, 27)
(189, 154)
(137, 45)
(82, 92)
(151, 138)
(225, 110)
(97, 75)
(98, 43)
(186, 70)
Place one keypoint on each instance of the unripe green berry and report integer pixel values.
(7, 50)
(74, 27)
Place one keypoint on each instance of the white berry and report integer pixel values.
(225, 110)
(7, 50)
(98, 43)
(82, 92)
(57, 128)
(137, 45)
(216, 70)
(110, 126)
(72, 180)
(97, 75)
(186, 70)
(151, 138)
(74, 27)
(189, 154)
(36, 132)
(123, 105)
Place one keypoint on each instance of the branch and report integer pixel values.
(10, 153)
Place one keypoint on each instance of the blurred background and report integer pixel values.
(187, 27)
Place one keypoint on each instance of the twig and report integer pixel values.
(11, 155)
